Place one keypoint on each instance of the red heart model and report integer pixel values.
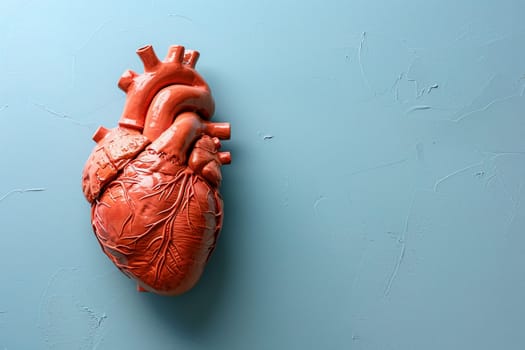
(153, 181)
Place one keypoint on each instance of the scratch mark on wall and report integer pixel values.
(43, 299)
(65, 321)
(264, 137)
(495, 40)
(454, 173)
(92, 35)
(21, 190)
(96, 318)
(416, 87)
(102, 106)
(82, 46)
(395, 86)
(466, 29)
(180, 16)
(432, 87)
(3, 107)
(379, 166)
(522, 86)
(402, 242)
(393, 275)
(415, 58)
(317, 202)
(483, 87)
(489, 180)
(419, 93)
(484, 108)
(503, 152)
(63, 115)
(52, 280)
(360, 60)
(418, 108)
(515, 209)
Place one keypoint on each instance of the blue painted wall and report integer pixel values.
(375, 200)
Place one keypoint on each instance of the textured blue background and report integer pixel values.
(375, 200)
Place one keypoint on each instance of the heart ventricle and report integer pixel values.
(159, 228)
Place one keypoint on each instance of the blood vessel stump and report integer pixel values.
(153, 181)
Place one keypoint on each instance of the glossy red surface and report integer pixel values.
(153, 180)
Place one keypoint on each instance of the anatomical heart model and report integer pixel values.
(153, 181)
